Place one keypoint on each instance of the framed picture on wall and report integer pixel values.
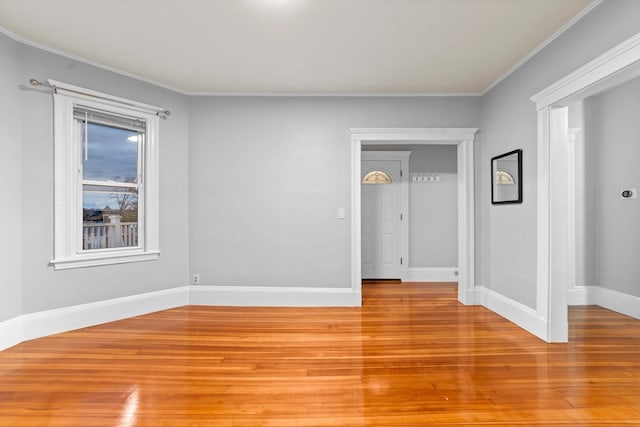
(506, 178)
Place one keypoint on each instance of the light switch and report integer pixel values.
(341, 213)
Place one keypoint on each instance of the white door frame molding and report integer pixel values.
(403, 157)
(616, 66)
(463, 138)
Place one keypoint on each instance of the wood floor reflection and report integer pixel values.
(411, 356)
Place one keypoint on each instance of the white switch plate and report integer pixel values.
(341, 213)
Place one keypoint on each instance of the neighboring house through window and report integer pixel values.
(106, 179)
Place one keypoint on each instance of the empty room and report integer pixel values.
(320, 213)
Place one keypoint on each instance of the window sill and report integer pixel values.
(92, 260)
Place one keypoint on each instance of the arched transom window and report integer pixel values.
(504, 178)
(377, 177)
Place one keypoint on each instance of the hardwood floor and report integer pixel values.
(412, 356)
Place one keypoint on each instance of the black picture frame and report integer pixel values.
(506, 178)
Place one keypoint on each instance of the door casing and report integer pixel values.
(616, 66)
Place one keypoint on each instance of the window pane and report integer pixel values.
(109, 217)
(377, 177)
(109, 153)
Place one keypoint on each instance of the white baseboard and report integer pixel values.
(581, 295)
(29, 326)
(43, 323)
(430, 274)
(515, 312)
(626, 304)
(468, 296)
(11, 332)
(274, 296)
(36, 325)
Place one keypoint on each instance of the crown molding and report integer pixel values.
(338, 94)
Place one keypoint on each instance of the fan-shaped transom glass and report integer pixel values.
(504, 178)
(377, 177)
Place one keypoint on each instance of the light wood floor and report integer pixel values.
(412, 356)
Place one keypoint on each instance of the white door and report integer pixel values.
(381, 219)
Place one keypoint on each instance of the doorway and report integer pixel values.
(618, 65)
(605, 237)
(382, 213)
(463, 139)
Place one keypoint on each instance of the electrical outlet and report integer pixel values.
(195, 279)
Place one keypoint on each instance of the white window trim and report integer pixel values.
(67, 215)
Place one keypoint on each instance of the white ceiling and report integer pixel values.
(297, 46)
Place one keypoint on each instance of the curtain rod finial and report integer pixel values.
(34, 82)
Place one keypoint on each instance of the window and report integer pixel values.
(106, 179)
(504, 178)
(377, 177)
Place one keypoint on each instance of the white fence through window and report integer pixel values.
(109, 235)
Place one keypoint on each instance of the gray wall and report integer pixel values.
(506, 235)
(614, 146)
(44, 288)
(10, 176)
(433, 224)
(267, 174)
